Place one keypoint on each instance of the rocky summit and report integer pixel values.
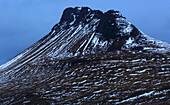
(89, 57)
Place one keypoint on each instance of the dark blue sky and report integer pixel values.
(23, 22)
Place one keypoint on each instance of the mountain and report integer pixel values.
(89, 57)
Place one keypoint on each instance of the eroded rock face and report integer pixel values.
(89, 57)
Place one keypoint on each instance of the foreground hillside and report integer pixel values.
(119, 77)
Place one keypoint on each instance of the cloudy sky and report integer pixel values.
(23, 22)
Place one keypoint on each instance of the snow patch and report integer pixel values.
(130, 41)
(124, 25)
(89, 41)
(74, 19)
(11, 61)
(133, 98)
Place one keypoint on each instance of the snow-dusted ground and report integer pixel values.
(122, 77)
(11, 61)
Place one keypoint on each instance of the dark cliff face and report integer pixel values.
(112, 25)
(108, 25)
(83, 15)
(75, 16)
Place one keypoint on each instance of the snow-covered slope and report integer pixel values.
(84, 31)
(86, 41)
